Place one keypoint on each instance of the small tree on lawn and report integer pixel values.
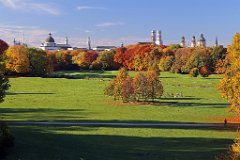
(119, 80)
(140, 86)
(127, 90)
(154, 85)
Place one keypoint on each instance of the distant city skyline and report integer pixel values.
(110, 22)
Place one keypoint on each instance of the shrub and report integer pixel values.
(194, 72)
(166, 63)
(204, 71)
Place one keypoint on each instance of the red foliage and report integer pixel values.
(125, 56)
(92, 55)
(204, 71)
(3, 46)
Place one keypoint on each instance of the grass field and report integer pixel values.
(80, 97)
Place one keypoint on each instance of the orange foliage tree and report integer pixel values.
(17, 60)
(141, 88)
(230, 84)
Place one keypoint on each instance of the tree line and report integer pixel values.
(21, 60)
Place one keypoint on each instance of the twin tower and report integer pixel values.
(157, 37)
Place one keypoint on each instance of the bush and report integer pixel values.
(166, 63)
(204, 71)
(194, 72)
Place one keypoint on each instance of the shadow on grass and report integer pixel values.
(180, 98)
(189, 104)
(34, 114)
(27, 93)
(81, 75)
(52, 143)
(168, 77)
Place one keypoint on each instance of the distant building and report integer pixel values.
(216, 42)
(50, 44)
(156, 37)
(183, 42)
(193, 42)
(201, 41)
(104, 48)
(89, 43)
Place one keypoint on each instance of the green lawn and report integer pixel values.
(80, 97)
(57, 99)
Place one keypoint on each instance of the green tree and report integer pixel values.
(105, 61)
(38, 62)
(166, 63)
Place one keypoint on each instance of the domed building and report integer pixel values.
(201, 41)
(50, 44)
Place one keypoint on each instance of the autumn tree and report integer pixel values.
(230, 84)
(199, 58)
(105, 61)
(154, 85)
(166, 63)
(119, 80)
(140, 86)
(17, 60)
(3, 46)
(127, 90)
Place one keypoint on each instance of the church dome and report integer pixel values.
(202, 39)
(50, 39)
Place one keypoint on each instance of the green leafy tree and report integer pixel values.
(166, 63)
(38, 62)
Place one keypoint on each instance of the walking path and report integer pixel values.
(122, 124)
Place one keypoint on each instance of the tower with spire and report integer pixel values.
(193, 42)
(216, 42)
(183, 42)
(153, 36)
(89, 43)
(66, 40)
(159, 38)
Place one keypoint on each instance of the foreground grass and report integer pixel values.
(98, 143)
(79, 97)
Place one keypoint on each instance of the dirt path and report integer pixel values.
(122, 124)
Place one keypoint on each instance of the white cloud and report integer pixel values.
(31, 35)
(110, 24)
(29, 5)
(81, 8)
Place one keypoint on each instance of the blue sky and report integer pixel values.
(109, 22)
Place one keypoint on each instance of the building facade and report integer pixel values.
(51, 45)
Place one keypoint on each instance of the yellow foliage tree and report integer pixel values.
(17, 60)
(230, 84)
